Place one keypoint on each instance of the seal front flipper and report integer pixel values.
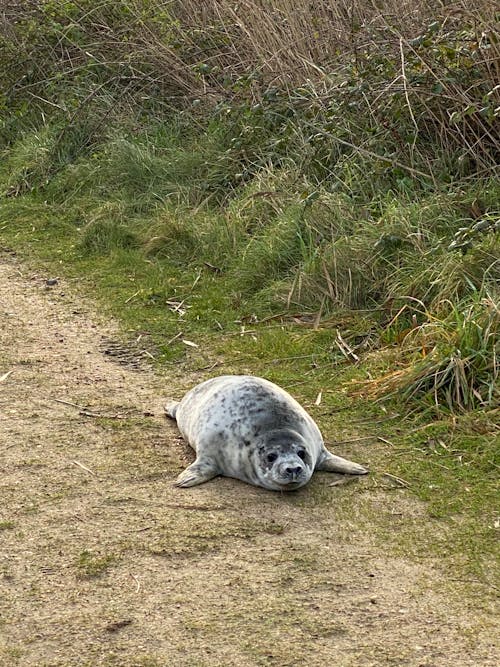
(198, 472)
(332, 463)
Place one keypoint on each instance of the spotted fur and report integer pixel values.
(248, 428)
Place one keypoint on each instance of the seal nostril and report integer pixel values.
(294, 471)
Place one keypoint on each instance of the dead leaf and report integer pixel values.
(189, 343)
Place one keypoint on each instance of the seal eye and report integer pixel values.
(301, 454)
(272, 457)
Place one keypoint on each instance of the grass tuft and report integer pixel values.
(6, 525)
(103, 235)
(90, 565)
(454, 362)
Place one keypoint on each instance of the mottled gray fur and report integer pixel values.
(249, 428)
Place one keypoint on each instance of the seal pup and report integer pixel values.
(248, 428)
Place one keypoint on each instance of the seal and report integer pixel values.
(248, 428)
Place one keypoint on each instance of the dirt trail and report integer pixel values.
(104, 562)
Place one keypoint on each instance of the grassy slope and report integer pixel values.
(447, 460)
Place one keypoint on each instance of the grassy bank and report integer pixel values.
(307, 195)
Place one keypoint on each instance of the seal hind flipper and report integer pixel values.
(198, 472)
(171, 409)
(331, 463)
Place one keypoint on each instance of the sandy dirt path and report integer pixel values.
(104, 562)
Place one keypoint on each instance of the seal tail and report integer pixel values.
(171, 409)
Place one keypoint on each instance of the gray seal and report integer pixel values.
(248, 428)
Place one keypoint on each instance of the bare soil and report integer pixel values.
(104, 562)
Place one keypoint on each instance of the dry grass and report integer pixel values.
(422, 70)
(452, 362)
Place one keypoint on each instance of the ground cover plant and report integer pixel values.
(325, 176)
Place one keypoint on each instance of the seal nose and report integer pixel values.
(294, 472)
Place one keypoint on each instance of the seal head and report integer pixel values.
(283, 459)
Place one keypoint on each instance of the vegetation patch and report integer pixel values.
(90, 565)
(7, 525)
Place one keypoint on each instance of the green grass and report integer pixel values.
(90, 565)
(450, 460)
(6, 525)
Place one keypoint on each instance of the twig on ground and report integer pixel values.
(73, 405)
(387, 442)
(88, 413)
(346, 350)
(200, 508)
(348, 442)
(398, 480)
(80, 465)
(137, 582)
(133, 296)
(209, 367)
(178, 335)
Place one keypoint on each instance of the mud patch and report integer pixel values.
(126, 354)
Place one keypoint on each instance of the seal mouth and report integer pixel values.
(290, 486)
